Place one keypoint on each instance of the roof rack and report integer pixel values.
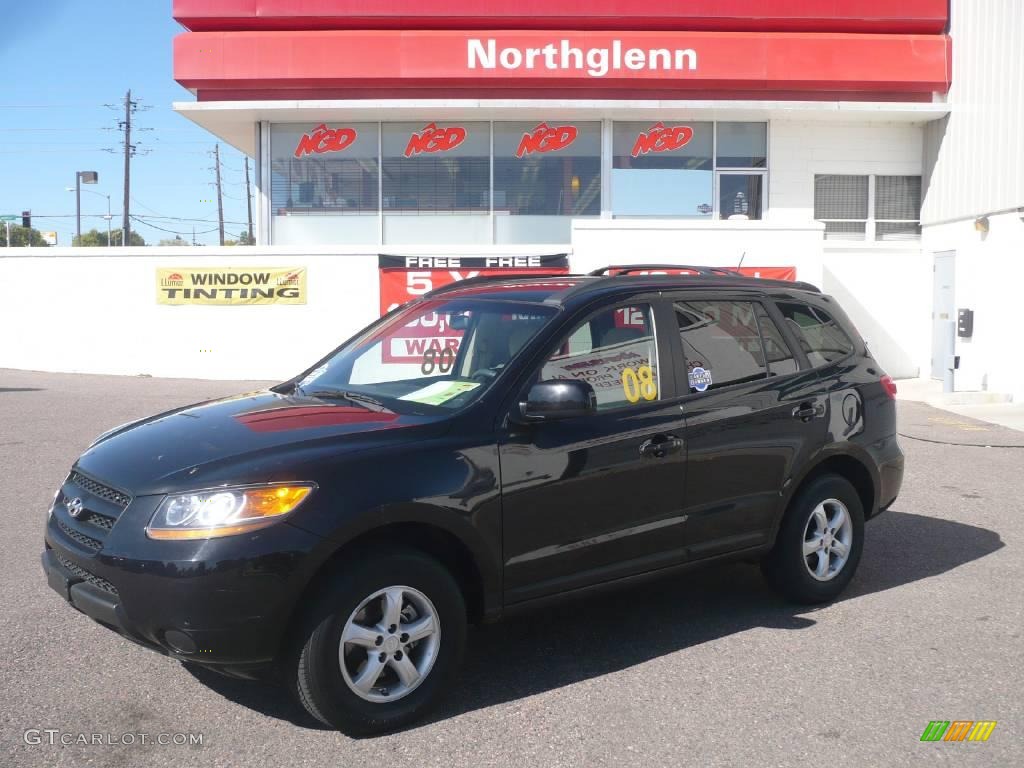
(471, 281)
(625, 269)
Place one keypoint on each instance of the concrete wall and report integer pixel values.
(94, 310)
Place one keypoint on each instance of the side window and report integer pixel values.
(615, 352)
(822, 340)
(776, 351)
(721, 343)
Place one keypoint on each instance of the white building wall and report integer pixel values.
(976, 156)
(989, 276)
(798, 150)
(974, 167)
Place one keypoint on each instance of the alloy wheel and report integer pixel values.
(389, 644)
(828, 540)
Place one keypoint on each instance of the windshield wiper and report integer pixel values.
(365, 401)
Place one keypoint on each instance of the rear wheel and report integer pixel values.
(819, 543)
(382, 643)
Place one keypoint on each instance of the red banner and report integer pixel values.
(767, 273)
(229, 64)
(405, 278)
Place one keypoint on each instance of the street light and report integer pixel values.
(82, 177)
(108, 217)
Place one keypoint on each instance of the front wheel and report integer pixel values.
(819, 543)
(382, 643)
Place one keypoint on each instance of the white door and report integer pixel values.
(943, 308)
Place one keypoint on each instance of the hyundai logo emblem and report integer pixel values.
(74, 506)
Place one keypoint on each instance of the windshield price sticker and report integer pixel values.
(639, 383)
(440, 392)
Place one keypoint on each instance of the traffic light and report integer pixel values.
(26, 219)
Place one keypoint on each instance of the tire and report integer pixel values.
(807, 564)
(354, 600)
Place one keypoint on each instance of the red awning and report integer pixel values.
(886, 16)
(239, 65)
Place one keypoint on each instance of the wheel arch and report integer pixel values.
(846, 465)
(417, 530)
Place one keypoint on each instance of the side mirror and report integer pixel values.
(558, 399)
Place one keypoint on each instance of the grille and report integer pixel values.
(102, 491)
(100, 521)
(83, 574)
(81, 538)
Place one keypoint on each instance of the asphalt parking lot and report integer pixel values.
(707, 670)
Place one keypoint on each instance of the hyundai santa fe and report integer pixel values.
(493, 445)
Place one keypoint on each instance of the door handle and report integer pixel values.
(805, 412)
(660, 446)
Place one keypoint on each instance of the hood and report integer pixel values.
(245, 438)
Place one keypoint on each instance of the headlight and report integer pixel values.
(225, 511)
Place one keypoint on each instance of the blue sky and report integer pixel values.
(61, 61)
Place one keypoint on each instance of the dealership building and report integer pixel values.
(870, 147)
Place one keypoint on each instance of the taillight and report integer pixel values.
(889, 386)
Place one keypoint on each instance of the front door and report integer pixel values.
(594, 498)
(943, 310)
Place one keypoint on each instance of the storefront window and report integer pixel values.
(324, 182)
(545, 174)
(663, 169)
(436, 167)
(740, 195)
(741, 145)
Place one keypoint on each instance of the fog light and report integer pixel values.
(179, 641)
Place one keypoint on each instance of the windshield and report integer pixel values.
(433, 354)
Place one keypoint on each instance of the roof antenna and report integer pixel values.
(742, 257)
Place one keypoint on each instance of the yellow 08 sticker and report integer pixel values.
(639, 383)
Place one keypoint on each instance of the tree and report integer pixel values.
(174, 241)
(95, 239)
(19, 237)
(243, 239)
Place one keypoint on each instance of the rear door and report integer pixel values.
(754, 415)
(598, 497)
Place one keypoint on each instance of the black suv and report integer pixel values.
(495, 444)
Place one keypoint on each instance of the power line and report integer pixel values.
(171, 231)
(142, 217)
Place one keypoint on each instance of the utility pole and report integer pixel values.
(220, 198)
(194, 235)
(129, 106)
(248, 203)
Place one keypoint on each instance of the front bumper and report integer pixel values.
(224, 603)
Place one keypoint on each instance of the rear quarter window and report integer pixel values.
(820, 337)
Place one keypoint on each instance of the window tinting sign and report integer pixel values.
(545, 138)
(660, 138)
(700, 379)
(434, 139)
(324, 139)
